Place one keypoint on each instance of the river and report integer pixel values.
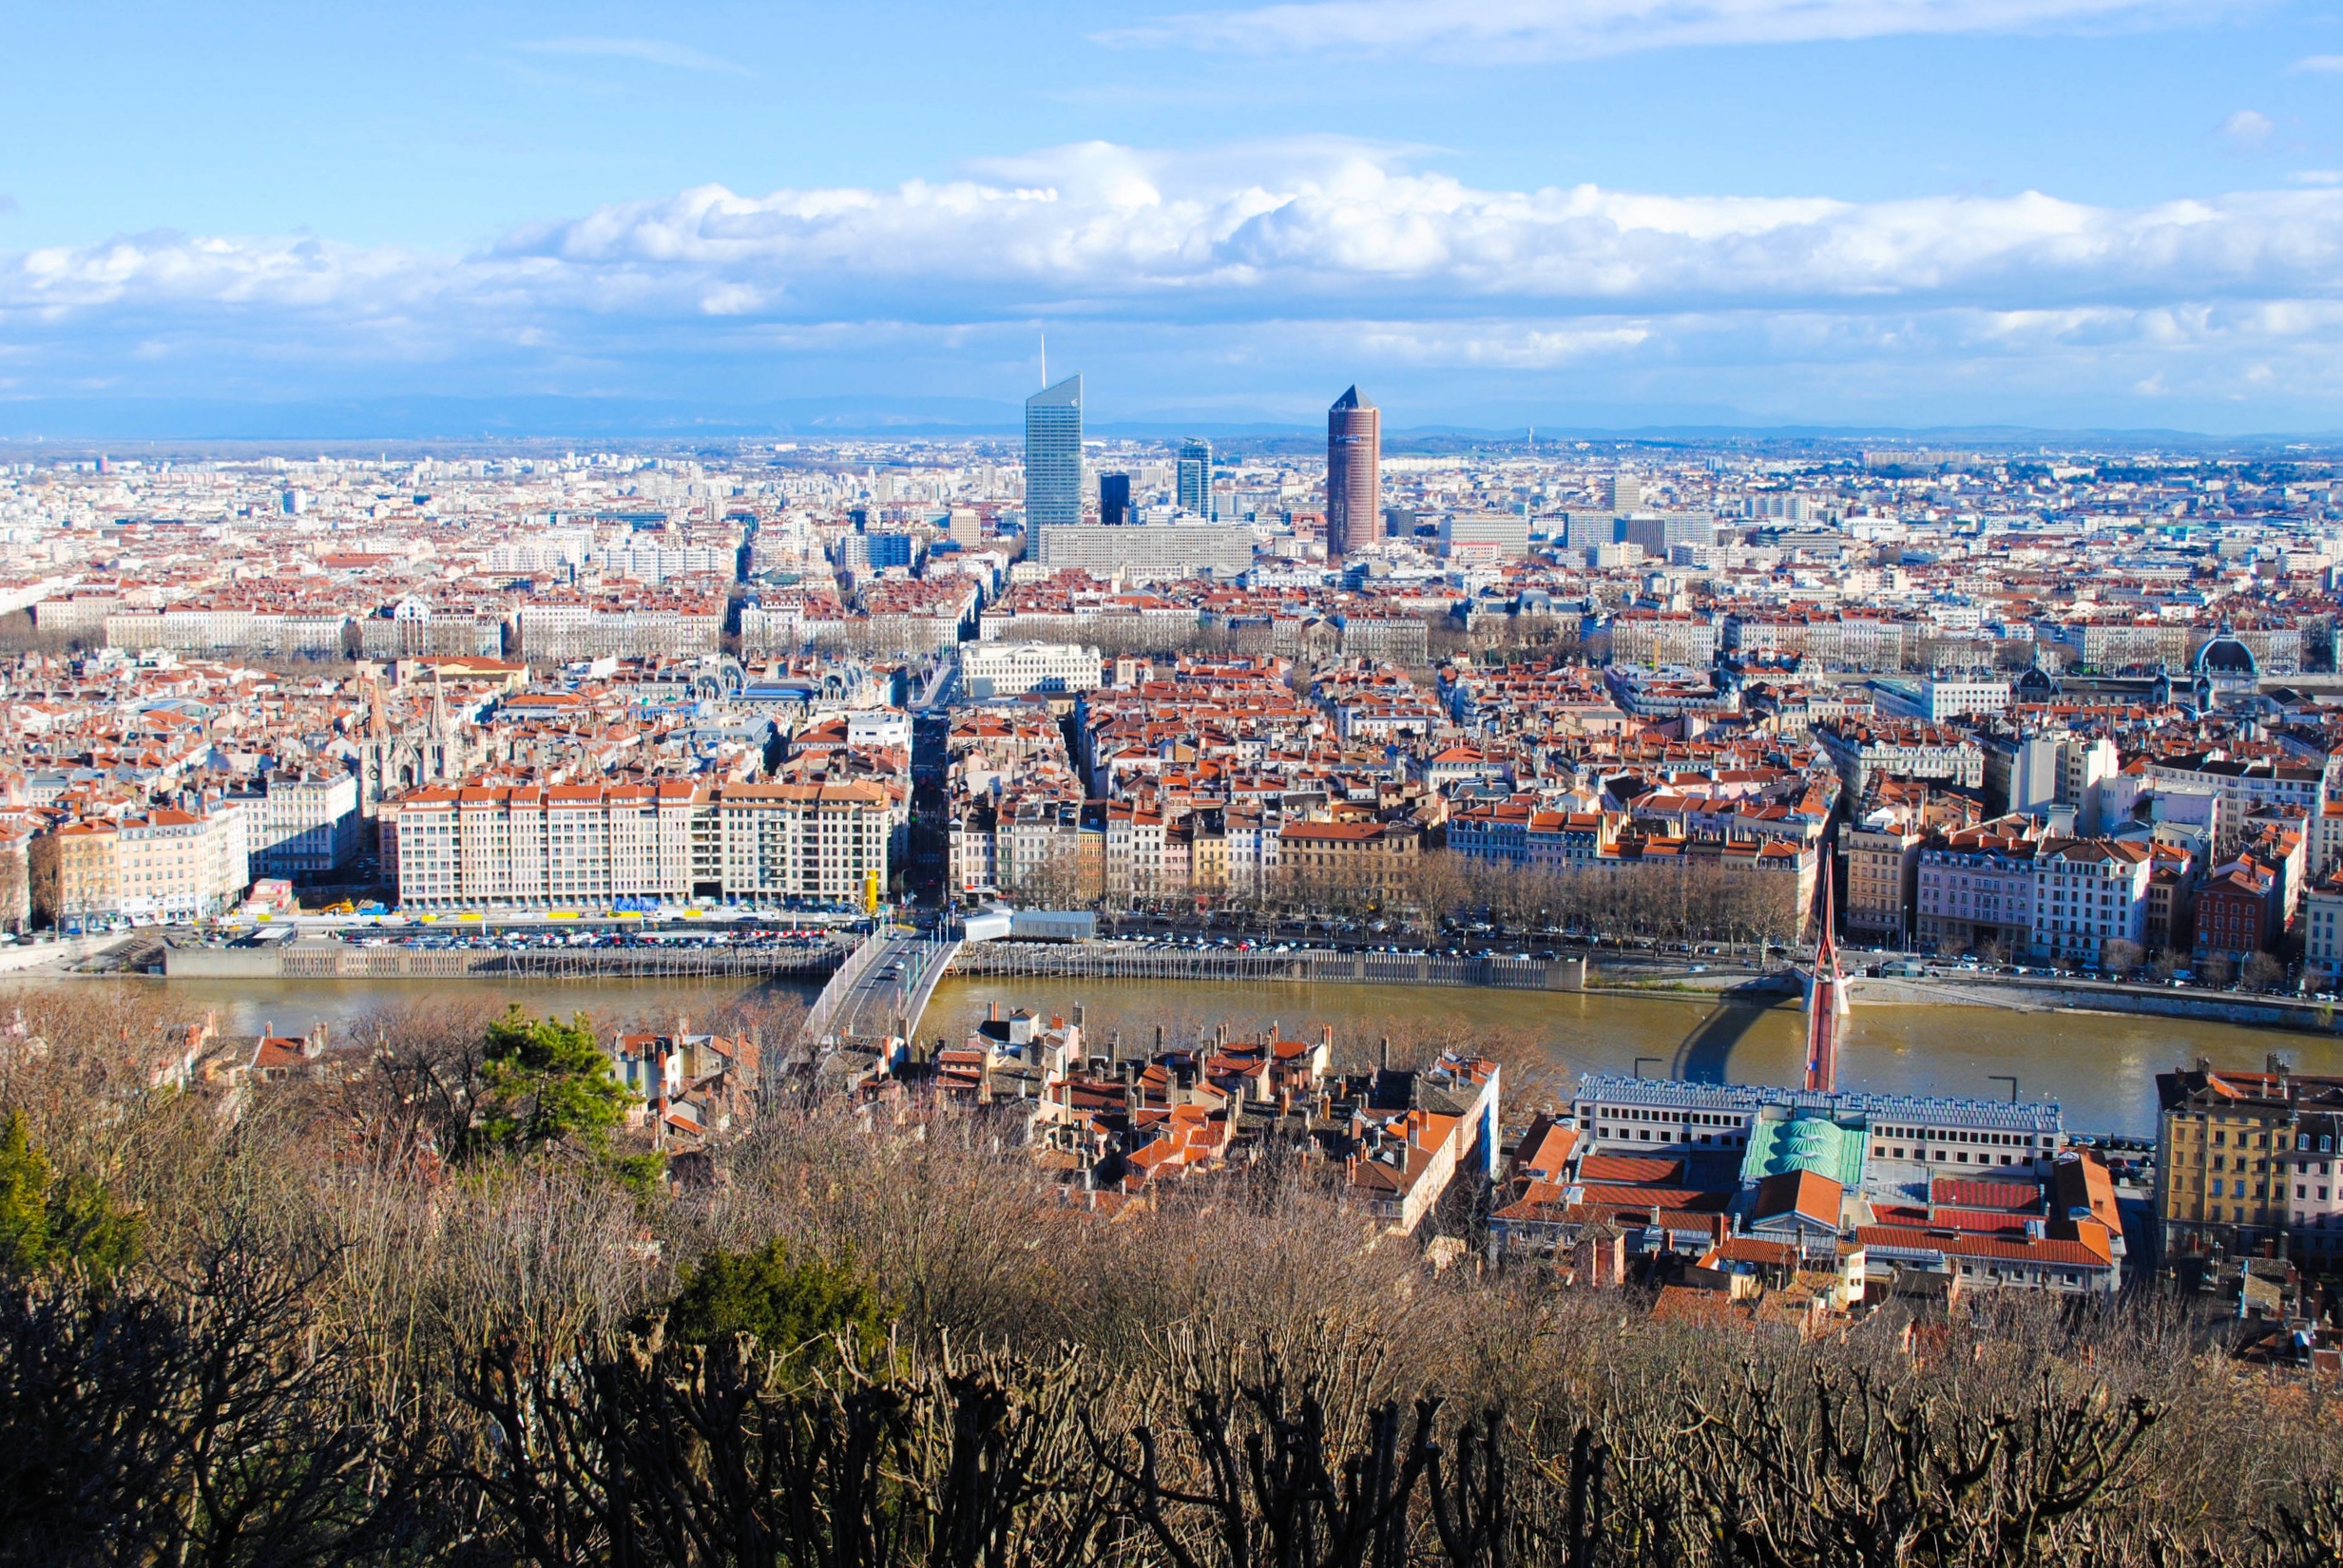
(2100, 1066)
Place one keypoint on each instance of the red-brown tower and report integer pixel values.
(1354, 475)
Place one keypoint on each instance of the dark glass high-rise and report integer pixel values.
(1114, 499)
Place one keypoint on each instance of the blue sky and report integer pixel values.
(1493, 212)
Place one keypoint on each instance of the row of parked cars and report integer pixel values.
(515, 940)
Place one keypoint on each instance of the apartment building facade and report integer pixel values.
(1904, 751)
(1975, 890)
(2248, 1159)
(534, 845)
(1883, 871)
(305, 826)
(88, 871)
(826, 843)
(559, 846)
(2087, 894)
(1373, 860)
(1663, 639)
(2242, 789)
(168, 866)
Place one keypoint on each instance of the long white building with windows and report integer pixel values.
(991, 669)
(574, 845)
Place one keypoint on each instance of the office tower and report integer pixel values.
(1114, 499)
(1194, 489)
(1626, 493)
(1659, 535)
(1053, 458)
(1353, 474)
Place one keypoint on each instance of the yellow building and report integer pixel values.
(170, 866)
(2247, 1159)
(88, 873)
(1208, 853)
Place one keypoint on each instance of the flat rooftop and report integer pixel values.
(2042, 1115)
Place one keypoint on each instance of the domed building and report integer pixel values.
(2036, 685)
(2226, 666)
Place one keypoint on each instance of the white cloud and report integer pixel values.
(649, 51)
(1269, 256)
(1317, 229)
(2247, 129)
(2326, 64)
(1508, 30)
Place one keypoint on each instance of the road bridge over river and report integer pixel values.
(880, 991)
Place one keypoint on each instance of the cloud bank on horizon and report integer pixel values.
(1513, 31)
(1267, 268)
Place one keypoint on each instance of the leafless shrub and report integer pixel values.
(336, 1350)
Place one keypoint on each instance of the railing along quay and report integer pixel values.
(1308, 966)
(344, 963)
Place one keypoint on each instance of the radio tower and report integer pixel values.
(1825, 1001)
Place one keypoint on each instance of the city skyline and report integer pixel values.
(2081, 214)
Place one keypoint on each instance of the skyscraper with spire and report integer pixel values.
(1053, 459)
(1354, 475)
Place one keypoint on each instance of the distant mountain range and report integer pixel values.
(77, 422)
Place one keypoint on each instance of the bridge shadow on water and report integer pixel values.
(1706, 1054)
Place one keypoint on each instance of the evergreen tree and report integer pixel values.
(47, 1220)
(548, 1083)
(791, 1304)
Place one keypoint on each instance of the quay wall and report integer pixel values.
(21, 956)
(2027, 995)
(341, 960)
(1310, 967)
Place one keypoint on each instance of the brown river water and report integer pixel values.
(2101, 1067)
